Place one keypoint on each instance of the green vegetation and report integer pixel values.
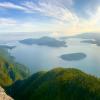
(10, 71)
(57, 84)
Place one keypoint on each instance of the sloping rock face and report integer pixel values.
(3, 95)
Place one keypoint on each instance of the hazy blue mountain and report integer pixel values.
(46, 41)
(89, 41)
(95, 37)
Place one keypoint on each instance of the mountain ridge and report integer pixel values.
(10, 70)
(57, 84)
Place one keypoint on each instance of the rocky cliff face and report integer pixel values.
(3, 95)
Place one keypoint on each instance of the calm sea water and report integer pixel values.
(39, 58)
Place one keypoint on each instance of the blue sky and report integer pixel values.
(56, 16)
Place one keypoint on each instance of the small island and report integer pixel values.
(44, 41)
(73, 56)
(7, 46)
(89, 41)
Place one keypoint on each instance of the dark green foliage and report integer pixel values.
(57, 84)
(10, 71)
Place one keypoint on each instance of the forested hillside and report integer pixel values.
(57, 84)
(10, 70)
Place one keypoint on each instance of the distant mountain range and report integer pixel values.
(92, 38)
(57, 84)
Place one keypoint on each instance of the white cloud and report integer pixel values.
(51, 9)
(64, 19)
(7, 21)
(9, 5)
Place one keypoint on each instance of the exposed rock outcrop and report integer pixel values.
(3, 95)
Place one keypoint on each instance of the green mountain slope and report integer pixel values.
(57, 84)
(10, 71)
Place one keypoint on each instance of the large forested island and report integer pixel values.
(45, 41)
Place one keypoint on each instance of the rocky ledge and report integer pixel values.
(3, 95)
